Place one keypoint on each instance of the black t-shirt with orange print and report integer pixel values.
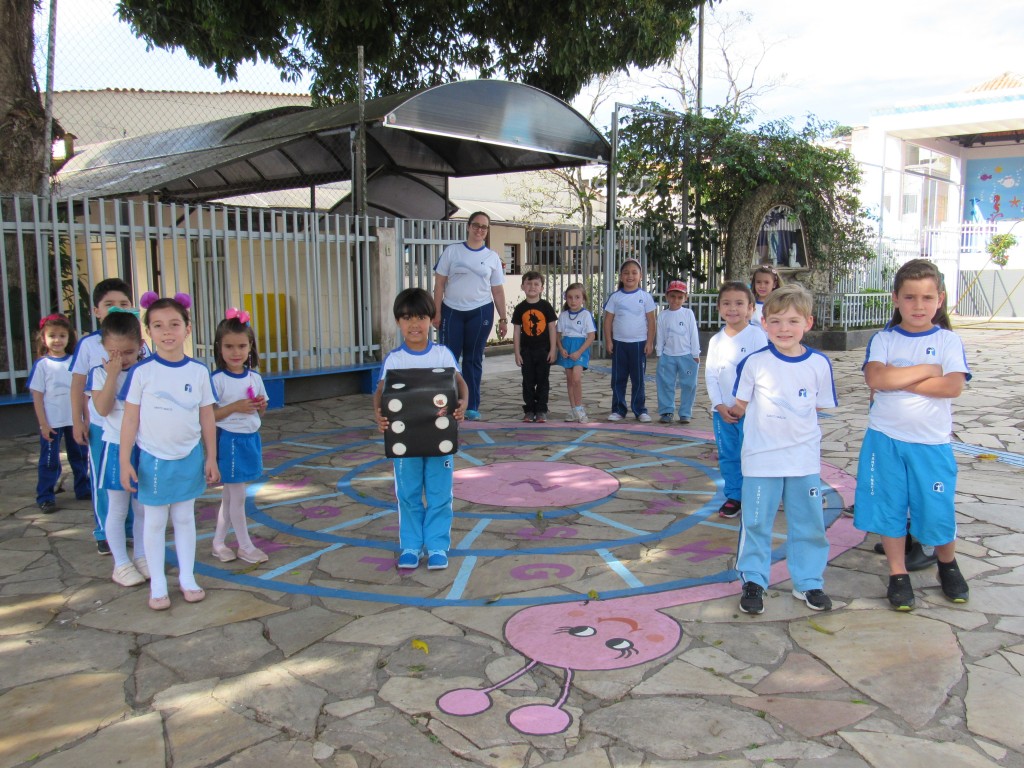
(534, 319)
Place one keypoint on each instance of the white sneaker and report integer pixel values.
(614, 417)
(571, 416)
(581, 415)
(644, 418)
(127, 575)
(142, 567)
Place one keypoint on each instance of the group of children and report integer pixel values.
(156, 427)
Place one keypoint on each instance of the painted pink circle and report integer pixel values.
(533, 484)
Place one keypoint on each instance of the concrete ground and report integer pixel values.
(588, 620)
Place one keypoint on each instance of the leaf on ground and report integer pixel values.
(818, 628)
(592, 594)
(987, 457)
(419, 645)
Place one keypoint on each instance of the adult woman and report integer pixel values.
(469, 283)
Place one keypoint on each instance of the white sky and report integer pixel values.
(840, 61)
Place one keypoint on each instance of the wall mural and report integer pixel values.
(994, 190)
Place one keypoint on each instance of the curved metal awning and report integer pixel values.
(415, 142)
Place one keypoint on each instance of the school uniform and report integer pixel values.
(51, 376)
(629, 337)
(678, 347)
(239, 448)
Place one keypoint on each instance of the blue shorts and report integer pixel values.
(167, 481)
(239, 456)
(110, 467)
(571, 344)
(893, 477)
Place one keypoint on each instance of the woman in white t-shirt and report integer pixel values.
(469, 282)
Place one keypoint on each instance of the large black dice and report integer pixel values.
(418, 404)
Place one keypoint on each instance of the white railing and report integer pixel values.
(849, 311)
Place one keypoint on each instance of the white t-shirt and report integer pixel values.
(755, 319)
(781, 436)
(230, 388)
(89, 353)
(903, 415)
(677, 333)
(576, 325)
(169, 396)
(725, 353)
(630, 310)
(471, 274)
(52, 377)
(112, 421)
(434, 356)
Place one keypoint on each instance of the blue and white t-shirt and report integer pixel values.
(89, 353)
(169, 396)
(903, 415)
(230, 388)
(576, 325)
(781, 436)
(52, 377)
(725, 353)
(630, 309)
(471, 274)
(677, 333)
(434, 356)
(112, 421)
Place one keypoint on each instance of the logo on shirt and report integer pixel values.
(812, 492)
(930, 351)
(743, 349)
(802, 393)
(939, 488)
(534, 323)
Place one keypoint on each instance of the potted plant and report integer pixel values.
(998, 248)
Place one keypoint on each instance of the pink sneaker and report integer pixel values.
(254, 555)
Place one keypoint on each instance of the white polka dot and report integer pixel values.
(398, 385)
(446, 446)
(442, 422)
(398, 449)
(438, 370)
(394, 405)
(398, 427)
(440, 400)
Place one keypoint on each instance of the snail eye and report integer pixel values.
(619, 644)
(582, 631)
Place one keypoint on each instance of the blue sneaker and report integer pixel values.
(472, 415)
(409, 559)
(437, 560)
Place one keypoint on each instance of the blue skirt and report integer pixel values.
(110, 467)
(571, 344)
(239, 456)
(166, 481)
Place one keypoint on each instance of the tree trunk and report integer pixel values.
(23, 149)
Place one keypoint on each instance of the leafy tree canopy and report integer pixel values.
(720, 161)
(552, 45)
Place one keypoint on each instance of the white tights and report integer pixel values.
(182, 514)
(232, 515)
(117, 512)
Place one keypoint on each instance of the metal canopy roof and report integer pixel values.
(415, 141)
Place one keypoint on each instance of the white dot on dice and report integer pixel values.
(398, 385)
(442, 422)
(440, 400)
(398, 449)
(394, 405)
(398, 427)
(445, 446)
(438, 370)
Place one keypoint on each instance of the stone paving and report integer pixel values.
(290, 671)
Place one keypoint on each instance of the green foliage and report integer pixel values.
(998, 248)
(555, 46)
(718, 161)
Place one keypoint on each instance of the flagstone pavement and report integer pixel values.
(302, 670)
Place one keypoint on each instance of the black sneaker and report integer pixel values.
(48, 507)
(666, 418)
(816, 599)
(102, 547)
(752, 600)
(730, 509)
(901, 592)
(917, 559)
(954, 586)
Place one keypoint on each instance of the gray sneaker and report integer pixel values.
(816, 599)
(752, 599)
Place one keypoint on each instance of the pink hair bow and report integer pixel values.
(235, 313)
(149, 297)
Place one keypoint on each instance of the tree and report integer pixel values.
(721, 160)
(408, 45)
(22, 145)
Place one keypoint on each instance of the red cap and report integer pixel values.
(677, 285)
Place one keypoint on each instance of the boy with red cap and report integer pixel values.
(678, 347)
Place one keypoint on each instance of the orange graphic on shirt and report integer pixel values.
(534, 323)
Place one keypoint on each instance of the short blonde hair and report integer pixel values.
(793, 296)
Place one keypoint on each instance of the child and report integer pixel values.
(678, 346)
(242, 400)
(534, 340)
(916, 366)
(629, 339)
(86, 422)
(725, 351)
(168, 414)
(50, 384)
(121, 336)
(421, 526)
(763, 281)
(576, 332)
(780, 388)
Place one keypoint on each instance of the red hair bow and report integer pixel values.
(55, 316)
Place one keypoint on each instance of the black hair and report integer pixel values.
(167, 303)
(103, 287)
(622, 266)
(533, 275)
(922, 269)
(766, 269)
(414, 302)
(234, 325)
(121, 324)
(56, 321)
(737, 287)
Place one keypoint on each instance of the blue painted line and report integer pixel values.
(1013, 459)
(297, 444)
(585, 435)
(474, 534)
(382, 478)
(482, 434)
(637, 466)
(668, 490)
(461, 579)
(291, 502)
(470, 459)
(296, 563)
(322, 467)
(613, 523)
(616, 565)
(358, 521)
(686, 444)
(556, 456)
